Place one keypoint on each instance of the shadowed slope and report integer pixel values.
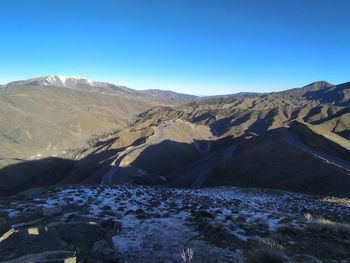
(271, 161)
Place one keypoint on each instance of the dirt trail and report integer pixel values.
(327, 158)
(107, 178)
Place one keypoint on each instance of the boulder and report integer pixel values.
(47, 256)
(87, 239)
(83, 237)
(17, 243)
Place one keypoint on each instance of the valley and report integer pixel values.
(229, 177)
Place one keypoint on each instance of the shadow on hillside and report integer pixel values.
(222, 126)
(163, 163)
(54, 170)
(336, 115)
(259, 126)
(157, 162)
(266, 160)
(330, 95)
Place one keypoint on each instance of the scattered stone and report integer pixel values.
(217, 234)
(140, 214)
(82, 236)
(203, 214)
(284, 220)
(228, 218)
(210, 221)
(218, 211)
(240, 219)
(129, 212)
(106, 208)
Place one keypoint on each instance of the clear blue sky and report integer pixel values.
(198, 47)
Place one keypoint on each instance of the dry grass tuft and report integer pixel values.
(267, 251)
(308, 216)
(336, 226)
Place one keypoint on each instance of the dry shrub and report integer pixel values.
(266, 251)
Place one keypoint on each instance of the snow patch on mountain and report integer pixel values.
(66, 81)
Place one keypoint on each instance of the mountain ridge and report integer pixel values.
(146, 139)
(64, 81)
(85, 84)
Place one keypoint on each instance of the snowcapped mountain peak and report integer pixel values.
(84, 84)
(60, 80)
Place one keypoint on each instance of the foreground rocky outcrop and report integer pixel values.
(76, 241)
(153, 224)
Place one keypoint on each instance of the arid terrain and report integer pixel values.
(237, 178)
(154, 224)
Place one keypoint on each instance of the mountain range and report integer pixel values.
(89, 125)
(84, 84)
(95, 172)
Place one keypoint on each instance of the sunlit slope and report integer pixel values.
(40, 121)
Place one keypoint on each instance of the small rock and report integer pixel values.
(228, 217)
(140, 214)
(129, 212)
(240, 219)
(218, 211)
(106, 208)
(203, 214)
(284, 220)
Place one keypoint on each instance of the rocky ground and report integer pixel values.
(153, 224)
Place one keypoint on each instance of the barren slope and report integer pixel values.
(40, 121)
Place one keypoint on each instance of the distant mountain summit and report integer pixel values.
(323, 92)
(85, 84)
(314, 86)
(63, 81)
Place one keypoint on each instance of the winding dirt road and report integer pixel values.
(325, 157)
(107, 178)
